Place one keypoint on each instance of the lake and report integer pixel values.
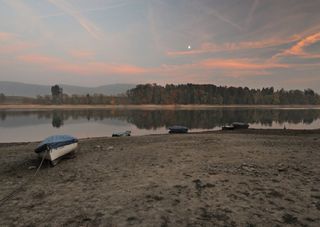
(31, 125)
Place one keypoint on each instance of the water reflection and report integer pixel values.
(144, 121)
(153, 119)
(57, 119)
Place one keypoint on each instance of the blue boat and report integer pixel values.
(178, 129)
(55, 147)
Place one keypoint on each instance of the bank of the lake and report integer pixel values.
(151, 107)
(249, 178)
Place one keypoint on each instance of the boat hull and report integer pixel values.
(227, 128)
(56, 153)
(240, 126)
(121, 134)
(178, 129)
(236, 125)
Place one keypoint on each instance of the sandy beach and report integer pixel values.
(244, 178)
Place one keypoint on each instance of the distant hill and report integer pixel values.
(32, 90)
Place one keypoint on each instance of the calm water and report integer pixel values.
(18, 126)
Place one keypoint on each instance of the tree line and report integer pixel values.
(95, 99)
(218, 95)
(178, 94)
(58, 97)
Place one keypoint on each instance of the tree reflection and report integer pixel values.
(3, 115)
(193, 119)
(57, 120)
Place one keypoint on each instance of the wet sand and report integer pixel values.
(248, 178)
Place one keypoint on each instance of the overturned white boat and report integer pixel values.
(56, 147)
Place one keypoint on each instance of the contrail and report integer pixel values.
(87, 25)
(252, 10)
(121, 4)
(222, 18)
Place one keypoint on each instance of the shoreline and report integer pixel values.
(150, 107)
(250, 131)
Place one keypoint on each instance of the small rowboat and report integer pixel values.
(178, 129)
(56, 147)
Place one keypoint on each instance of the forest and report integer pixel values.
(218, 95)
(196, 94)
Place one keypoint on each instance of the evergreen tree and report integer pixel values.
(56, 92)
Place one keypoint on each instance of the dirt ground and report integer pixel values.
(249, 178)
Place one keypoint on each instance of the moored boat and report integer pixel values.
(120, 134)
(240, 125)
(236, 125)
(55, 147)
(228, 127)
(178, 129)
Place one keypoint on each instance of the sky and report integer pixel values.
(253, 43)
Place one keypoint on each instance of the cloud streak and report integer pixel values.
(4, 36)
(298, 49)
(251, 12)
(86, 24)
(118, 5)
(15, 47)
(90, 68)
(215, 13)
(9, 43)
(249, 45)
(239, 64)
(82, 54)
(202, 70)
(102, 68)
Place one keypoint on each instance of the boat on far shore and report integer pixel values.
(236, 125)
(178, 129)
(121, 134)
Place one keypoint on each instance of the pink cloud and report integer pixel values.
(201, 69)
(90, 68)
(223, 67)
(298, 49)
(82, 54)
(212, 47)
(9, 43)
(39, 59)
(4, 36)
(15, 47)
(239, 64)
